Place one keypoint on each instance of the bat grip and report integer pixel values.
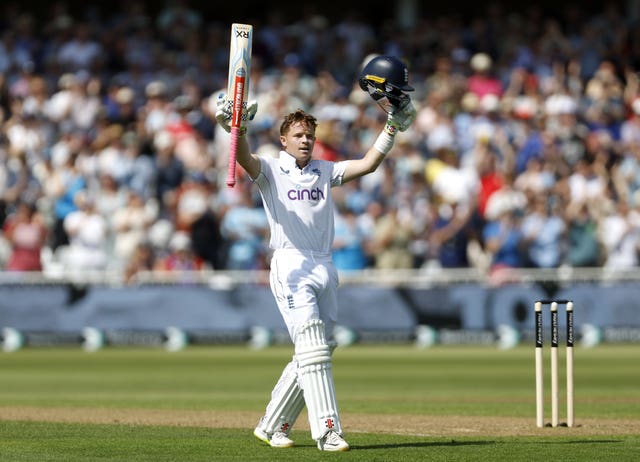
(231, 170)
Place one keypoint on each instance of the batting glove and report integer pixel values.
(401, 118)
(252, 109)
(224, 112)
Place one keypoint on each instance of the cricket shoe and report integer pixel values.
(277, 440)
(332, 442)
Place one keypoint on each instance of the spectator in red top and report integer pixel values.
(482, 81)
(181, 256)
(27, 234)
(328, 138)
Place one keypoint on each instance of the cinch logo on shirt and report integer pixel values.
(305, 194)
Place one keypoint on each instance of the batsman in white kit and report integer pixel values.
(296, 193)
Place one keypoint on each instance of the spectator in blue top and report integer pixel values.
(66, 183)
(349, 244)
(503, 239)
(545, 231)
(244, 225)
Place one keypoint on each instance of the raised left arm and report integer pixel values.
(399, 120)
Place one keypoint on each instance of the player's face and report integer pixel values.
(299, 141)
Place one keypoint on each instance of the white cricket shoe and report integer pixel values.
(277, 440)
(332, 442)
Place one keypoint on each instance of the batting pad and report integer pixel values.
(316, 378)
(287, 401)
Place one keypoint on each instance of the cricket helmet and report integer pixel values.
(387, 77)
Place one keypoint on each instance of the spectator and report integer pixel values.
(62, 187)
(189, 145)
(120, 106)
(544, 232)
(604, 107)
(328, 139)
(155, 113)
(620, 237)
(563, 125)
(176, 20)
(490, 178)
(81, 51)
(536, 179)
(24, 133)
(505, 199)
(482, 81)
(110, 197)
(60, 104)
(130, 224)
(444, 86)
(391, 241)
(244, 226)
(169, 171)
(583, 244)
(504, 240)
(136, 170)
(84, 105)
(587, 183)
(88, 236)
(451, 234)
(141, 260)
(27, 235)
(207, 240)
(181, 256)
(191, 200)
(350, 241)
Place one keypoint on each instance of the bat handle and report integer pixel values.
(231, 171)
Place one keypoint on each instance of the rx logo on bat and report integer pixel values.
(242, 34)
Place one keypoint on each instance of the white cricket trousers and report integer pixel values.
(305, 287)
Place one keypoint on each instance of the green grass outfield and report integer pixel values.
(398, 403)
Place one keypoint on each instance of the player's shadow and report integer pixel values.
(580, 442)
(425, 444)
(428, 444)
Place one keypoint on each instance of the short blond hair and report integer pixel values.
(298, 116)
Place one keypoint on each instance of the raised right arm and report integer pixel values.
(248, 161)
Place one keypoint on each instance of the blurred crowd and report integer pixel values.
(525, 152)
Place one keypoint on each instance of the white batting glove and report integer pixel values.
(401, 118)
(252, 109)
(224, 112)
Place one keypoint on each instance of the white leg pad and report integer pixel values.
(287, 401)
(316, 378)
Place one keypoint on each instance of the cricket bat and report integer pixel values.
(238, 87)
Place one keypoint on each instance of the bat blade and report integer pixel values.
(238, 87)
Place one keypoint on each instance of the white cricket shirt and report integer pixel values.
(298, 201)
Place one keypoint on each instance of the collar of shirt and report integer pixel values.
(287, 161)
